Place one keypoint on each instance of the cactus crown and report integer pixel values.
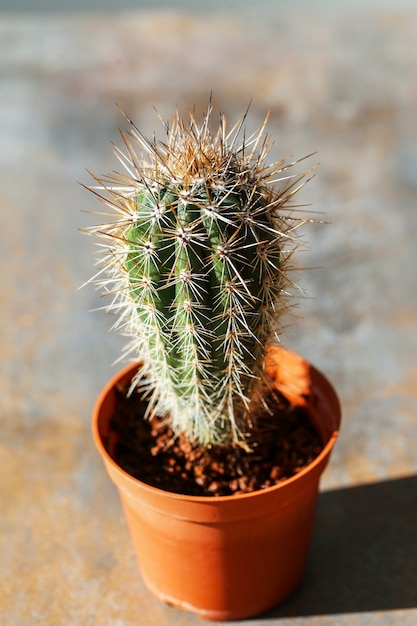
(196, 255)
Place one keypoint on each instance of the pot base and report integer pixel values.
(216, 615)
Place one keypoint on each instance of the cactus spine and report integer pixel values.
(195, 258)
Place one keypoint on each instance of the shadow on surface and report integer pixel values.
(364, 552)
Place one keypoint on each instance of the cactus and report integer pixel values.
(196, 259)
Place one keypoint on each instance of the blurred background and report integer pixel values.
(337, 78)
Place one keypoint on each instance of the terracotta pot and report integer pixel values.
(227, 557)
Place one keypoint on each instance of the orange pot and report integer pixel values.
(228, 557)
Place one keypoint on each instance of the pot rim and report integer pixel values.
(321, 458)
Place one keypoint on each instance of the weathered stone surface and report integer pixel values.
(343, 84)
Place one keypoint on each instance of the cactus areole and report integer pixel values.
(195, 258)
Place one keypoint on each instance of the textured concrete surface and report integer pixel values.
(343, 84)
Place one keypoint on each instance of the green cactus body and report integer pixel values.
(201, 253)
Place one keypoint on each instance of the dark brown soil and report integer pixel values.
(284, 442)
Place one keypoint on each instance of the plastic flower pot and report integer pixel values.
(228, 557)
